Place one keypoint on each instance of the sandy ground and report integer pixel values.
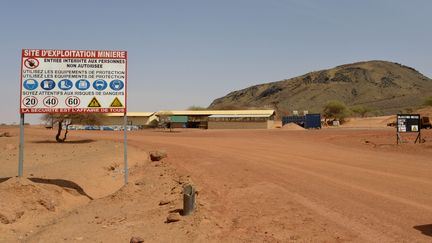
(369, 122)
(332, 185)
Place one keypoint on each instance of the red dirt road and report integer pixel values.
(330, 185)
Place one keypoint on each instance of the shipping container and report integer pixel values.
(299, 120)
(307, 121)
(313, 121)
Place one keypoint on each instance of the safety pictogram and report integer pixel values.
(94, 103)
(48, 84)
(31, 63)
(65, 84)
(82, 84)
(100, 84)
(116, 103)
(30, 84)
(116, 85)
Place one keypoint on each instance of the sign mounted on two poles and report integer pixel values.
(408, 123)
(73, 81)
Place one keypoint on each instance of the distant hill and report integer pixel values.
(383, 86)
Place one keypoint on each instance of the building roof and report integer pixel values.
(237, 116)
(216, 112)
(131, 114)
(197, 113)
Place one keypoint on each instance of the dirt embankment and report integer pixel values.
(74, 192)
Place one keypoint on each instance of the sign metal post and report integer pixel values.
(21, 147)
(126, 168)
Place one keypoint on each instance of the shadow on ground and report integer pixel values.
(66, 142)
(62, 183)
(4, 179)
(425, 229)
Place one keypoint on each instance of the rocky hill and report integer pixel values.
(382, 86)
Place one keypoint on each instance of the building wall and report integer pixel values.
(139, 121)
(178, 124)
(111, 120)
(240, 125)
(270, 124)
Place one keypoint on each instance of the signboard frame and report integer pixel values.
(52, 67)
(408, 123)
(30, 60)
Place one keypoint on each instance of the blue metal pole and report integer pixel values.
(126, 169)
(21, 147)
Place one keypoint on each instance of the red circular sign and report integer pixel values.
(72, 101)
(30, 101)
(50, 101)
(31, 63)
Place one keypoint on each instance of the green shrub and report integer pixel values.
(336, 110)
(360, 110)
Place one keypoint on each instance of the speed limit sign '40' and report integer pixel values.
(73, 81)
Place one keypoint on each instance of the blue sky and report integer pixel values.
(184, 53)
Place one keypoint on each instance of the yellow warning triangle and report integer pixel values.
(94, 103)
(116, 103)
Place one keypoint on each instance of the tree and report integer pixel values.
(361, 110)
(164, 119)
(69, 119)
(336, 109)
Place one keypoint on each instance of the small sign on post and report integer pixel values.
(73, 81)
(408, 123)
